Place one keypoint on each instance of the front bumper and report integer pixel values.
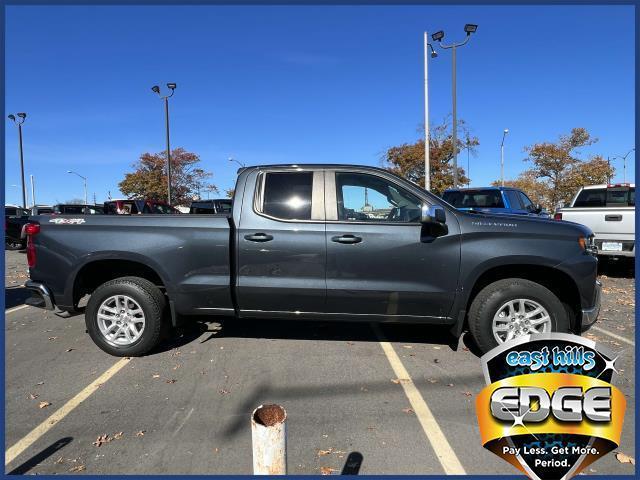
(40, 296)
(589, 315)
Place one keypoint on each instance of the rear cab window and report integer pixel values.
(474, 199)
(622, 196)
(287, 195)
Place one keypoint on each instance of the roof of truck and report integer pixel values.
(610, 185)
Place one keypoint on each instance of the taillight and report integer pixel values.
(557, 216)
(31, 229)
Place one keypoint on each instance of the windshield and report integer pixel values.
(474, 199)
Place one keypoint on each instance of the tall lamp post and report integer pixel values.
(624, 164)
(19, 121)
(434, 54)
(156, 89)
(231, 159)
(84, 179)
(469, 28)
(504, 134)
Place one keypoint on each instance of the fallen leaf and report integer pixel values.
(77, 468)
(398, 381)
(467, 394)
(140, 433)
(624, 458)
(327, 470)
(69, 350)
(59, 461)
(449, 384)
(44, 404)
(101, 440)
(436, 360)
(177, 366)
(40, 383)
(408, 346)
(407, 410)
(173, 380)
(432, 380)
(156, 375)
(436, 347)
(118, 436)
(33, 396)
(53, 338)
(222, 391)
(322, 453)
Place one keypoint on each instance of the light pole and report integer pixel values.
(231, 159)
(156, 89)
(427, 167)
(19, 121)
(504, 134)
(624, 164)
(33, 191)
(469, 28)
(85, 184)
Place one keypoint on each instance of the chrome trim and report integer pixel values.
(589, 315)
(40, 289)
(298, 312)
(216, 309)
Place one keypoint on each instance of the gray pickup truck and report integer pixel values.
(308, 242)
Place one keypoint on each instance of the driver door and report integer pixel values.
(378, 261)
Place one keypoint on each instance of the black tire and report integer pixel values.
(486, 304)
(150, 299)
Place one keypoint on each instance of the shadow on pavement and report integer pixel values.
(617, 268)
(41, 456)
(353, 464)
(14, 296)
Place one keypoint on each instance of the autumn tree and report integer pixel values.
(538, 191)
(407, 160)
(149, 180)
(556, 165)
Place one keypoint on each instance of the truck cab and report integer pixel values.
(507, 200)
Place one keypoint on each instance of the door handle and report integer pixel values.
(612, 218)
(346, 239)
(259, 237)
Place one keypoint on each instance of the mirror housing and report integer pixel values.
(433, 214)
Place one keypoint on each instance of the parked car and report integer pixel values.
(493, 200)
(291, 249)
(77, 209)
(14, 219)
(41, 210)
(133, 207)
(218, 205)
(608, 210)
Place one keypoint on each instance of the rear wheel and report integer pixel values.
(512, 308)
(124, 317)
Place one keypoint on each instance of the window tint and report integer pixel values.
(11, 211)
(621, 197)
(474, 199)
(514, 199)
(526, 203)
(287, 195)
(363, 197)
(72, 209)
(593, 197)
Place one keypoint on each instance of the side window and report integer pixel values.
(287, 195)
(528, 204)
(363, 197)
(514, 200)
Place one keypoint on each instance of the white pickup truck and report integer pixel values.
(608, 210)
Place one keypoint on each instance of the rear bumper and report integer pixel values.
(589, 315)
(40, 296)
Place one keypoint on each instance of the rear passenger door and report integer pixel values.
(281, 244)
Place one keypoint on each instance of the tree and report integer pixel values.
(407, 160)
(149, 180)
(536, 190)
(230, 192)
(562, 172)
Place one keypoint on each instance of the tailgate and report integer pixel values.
(606, 223)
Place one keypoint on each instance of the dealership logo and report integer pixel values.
(67, 221)
(549, 407)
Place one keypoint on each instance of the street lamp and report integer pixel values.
(469, 28)
(85, 184)
(434, 54)
(156, 89)
(231, 159)
(19, 121)
(504, 134)
(624, 164)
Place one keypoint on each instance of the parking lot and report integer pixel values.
(399, 396)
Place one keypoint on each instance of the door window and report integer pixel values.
(514, 200)
(527, 203)
(369, 198)
(287, 195)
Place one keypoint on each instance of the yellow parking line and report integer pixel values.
(438, 441)
(45, 426)
(15, 309)
(617, 337)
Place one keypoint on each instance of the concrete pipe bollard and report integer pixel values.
(269, 440)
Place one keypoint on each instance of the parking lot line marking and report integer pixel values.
(439, 442)
(62, 412)
(611, 334)
(15, 309)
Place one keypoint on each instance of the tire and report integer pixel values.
(490, 300)
(143, 296)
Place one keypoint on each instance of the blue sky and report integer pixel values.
(303, 84)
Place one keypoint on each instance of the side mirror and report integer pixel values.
(537, 208)
(433, 214)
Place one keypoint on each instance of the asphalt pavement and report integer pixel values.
(185, 408)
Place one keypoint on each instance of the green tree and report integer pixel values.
(149, 179)
(407, 160)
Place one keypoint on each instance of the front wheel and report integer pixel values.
(512, 308)
(124, 316)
